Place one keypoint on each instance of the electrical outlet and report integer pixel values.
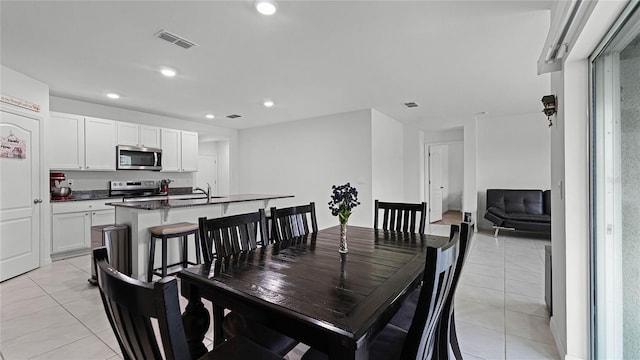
(70, 182)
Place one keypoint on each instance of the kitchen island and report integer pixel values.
(141, 215)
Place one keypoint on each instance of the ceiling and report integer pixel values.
(313, 58)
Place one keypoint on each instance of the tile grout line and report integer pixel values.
(72, 315)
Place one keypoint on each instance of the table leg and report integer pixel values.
(218, 316)
(195, 320)
(338, 352)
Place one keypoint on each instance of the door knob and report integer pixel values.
(37, 201)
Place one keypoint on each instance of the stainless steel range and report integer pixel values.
(134, 190)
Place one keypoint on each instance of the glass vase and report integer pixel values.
(343, 239)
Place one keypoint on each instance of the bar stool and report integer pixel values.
(164, 232)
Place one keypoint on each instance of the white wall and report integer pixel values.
(224, 173)
(306, 157)
(513, 153)
(413, 154)
(19, 86)
(456, 175)
(387, 159)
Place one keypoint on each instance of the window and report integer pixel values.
(615, 189)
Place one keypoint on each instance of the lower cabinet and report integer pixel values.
(71, 225)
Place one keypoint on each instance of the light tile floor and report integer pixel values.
(53, 312)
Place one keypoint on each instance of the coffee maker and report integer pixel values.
(58, 192)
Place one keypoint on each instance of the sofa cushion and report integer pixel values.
(516, 201)
(543, 218)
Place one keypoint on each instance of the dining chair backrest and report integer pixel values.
(293, 221)
(130, 305)
(401, 216)
(230, 235)
(447, 333)
(421, 341)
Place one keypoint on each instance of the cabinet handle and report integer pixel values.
(86, 214)
(37, 201)
(94, 213)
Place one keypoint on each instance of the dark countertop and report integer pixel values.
(181, 203)
(83, 195)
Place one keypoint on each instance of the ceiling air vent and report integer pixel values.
(410, 104)
(233, 116)
(175, 39)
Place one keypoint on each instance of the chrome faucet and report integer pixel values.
(208, 192)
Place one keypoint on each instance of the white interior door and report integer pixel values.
(208, 172)
(435, 182)
(19, 195)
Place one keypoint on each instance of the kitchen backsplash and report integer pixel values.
(99, 180)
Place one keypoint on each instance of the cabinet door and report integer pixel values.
(103, 217)
(189, 151)
(71, 232)
(66, 150)
(100, 144)
(150, 136)
(128, 134)
(170, 141)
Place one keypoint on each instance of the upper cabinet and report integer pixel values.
(100, 144)
(81, 143)
(189, 154)
(86, 143)
(179, 150)
(67, 141)
(138, 135)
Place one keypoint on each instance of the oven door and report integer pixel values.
(138, 158)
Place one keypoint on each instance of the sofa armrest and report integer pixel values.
(495, 215)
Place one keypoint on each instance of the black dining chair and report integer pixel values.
(405, 314)
(400, 216)
(230, 236)
(421, 341)
(130, 305)
(291, 222)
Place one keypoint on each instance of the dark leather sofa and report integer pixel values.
(523, 210)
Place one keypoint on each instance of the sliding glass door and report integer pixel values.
(615, 197)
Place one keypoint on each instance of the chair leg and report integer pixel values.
(198, 256)
(185, 251)
(453, 339)
(164, 256)
(152, 255)
(496, 233)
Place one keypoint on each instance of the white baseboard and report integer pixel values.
(560, 345)
(569, 357)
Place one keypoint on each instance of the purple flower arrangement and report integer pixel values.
(343, 199)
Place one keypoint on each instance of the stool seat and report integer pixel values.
(163, 232)
(173, 228)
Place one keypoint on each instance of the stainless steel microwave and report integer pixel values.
(138, 158)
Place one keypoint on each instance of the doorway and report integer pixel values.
(444, 175)
(20, 195)
(207, 172)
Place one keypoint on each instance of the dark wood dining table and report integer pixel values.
(307, 290)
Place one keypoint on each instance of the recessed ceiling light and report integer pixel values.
(269, 103)
(210, 116)
(168, 72)
(266, 7)
(113, 96)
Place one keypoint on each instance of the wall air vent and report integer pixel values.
(410, 104)
(233, 116)
(175, 39)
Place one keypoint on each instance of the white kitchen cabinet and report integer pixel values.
(170, 142)
(100, 144)
(71, 224)
(179, 151)
(138, 135)
(149, 136)
(189, 153)
(66, 150)
(71, 232)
